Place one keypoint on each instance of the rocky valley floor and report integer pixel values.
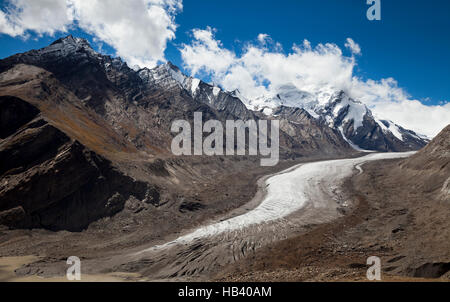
(383, 222)
(213, 195)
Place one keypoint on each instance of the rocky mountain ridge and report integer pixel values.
(356, 123)
(140, 105)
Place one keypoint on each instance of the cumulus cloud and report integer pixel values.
(260, 70)
(42, 17)
(389, 101)
(207, 53)
(137, 29)
(412, 114)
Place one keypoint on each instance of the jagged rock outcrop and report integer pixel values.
(169, 76)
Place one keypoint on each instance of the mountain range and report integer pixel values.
(353, 120)
(79, 126)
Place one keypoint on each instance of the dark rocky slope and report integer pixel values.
(52, 181)
(430, 167)
(48, 128)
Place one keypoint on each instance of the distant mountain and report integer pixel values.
(140, 105)
(356, 122)
(168, 75)
(362, 128)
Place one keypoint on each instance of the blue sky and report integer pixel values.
(411, 43)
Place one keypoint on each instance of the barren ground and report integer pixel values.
(386, 220)
(407, 229)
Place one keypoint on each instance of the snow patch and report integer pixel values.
(267, 111)
(392, 128)
(216, 91)
(194, 85)
(177, 75)
(356, 111)
(396, 131)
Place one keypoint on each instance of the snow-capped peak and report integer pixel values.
(285, 95)
(165, 75)
(338, 110)
(334, 108)
(69, 44)
(237, 94)
(175, 72)
(341, 109)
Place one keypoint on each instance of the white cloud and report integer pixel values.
(389, 101)
(137, 29)
(262, 38)
(207, 54)
(42, 17)
(353, 46)
(260, 71)
(412, 114)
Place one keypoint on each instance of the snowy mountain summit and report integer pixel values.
(353, 119)
(335, 109)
